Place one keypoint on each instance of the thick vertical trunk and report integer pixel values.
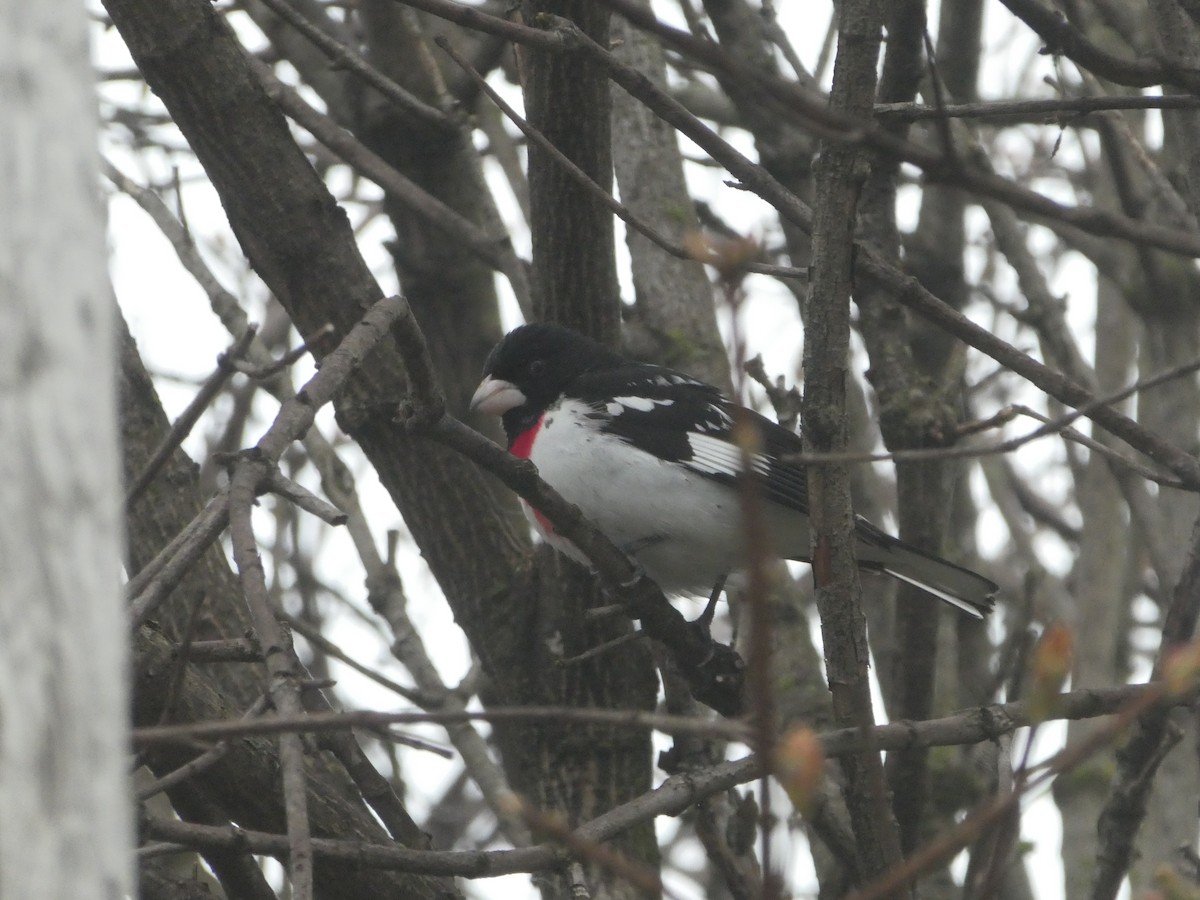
(63, 710)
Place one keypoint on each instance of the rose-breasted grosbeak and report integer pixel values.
(648, 456)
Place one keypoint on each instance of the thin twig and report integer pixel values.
(234, 650)
(223, 303)
(1031, 110)
(182, 656)
(1059, 425)
(477, 20)
(205, 760)
(1139, 757)
(303, 498)
(271, 369)
(643, 879)
(1064, 38)
(187, 420)
(314, 637)
(599, 649)
(675, 795)
(948, 844)
(252, 469)
(755, 536)
(151, 586)
(284, 690)
(967, 726)
(331, 721)
(583, 180)
(495, 250)
(346, 58)
(812, 111)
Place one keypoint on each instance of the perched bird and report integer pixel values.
(648, 456)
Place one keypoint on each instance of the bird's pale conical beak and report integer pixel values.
(495, 396)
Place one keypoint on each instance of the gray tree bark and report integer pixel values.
(63, 643)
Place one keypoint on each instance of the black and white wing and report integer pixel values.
(682, 420)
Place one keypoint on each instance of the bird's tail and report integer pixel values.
(960, 587)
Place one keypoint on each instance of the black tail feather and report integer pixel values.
(960, 587)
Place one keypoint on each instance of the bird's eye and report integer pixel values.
(537, 368)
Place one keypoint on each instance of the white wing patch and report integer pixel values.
(618, 405)
(715, 456)
(674, 380)
(715, 420)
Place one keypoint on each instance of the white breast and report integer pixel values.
(682, 528)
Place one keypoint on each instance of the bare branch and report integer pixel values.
(906, 289)
(1016, 111)
(346, 58)
(966, 726)
(1062, 37)
(1138, 759)
(187, 420)
(836, 125)
(495, 250)
(676, 794)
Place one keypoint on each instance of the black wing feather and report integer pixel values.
(657, 409)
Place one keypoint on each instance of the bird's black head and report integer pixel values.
(531, 367)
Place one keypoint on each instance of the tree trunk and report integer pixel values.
(64, 786)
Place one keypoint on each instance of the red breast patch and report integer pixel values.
(523, 445)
